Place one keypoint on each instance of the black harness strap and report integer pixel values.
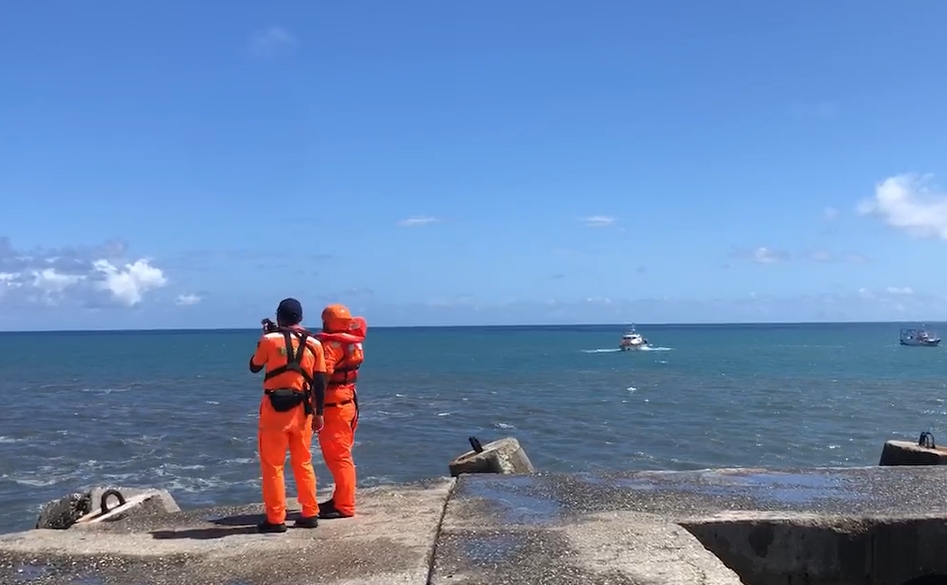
(346, 375)
(294, 363)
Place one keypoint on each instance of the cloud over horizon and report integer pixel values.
(598, 220)
(910, 203)
(761, 255)
(186, 300)
(852, 305)
(418, 220)
(88, 275)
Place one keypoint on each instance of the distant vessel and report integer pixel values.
(919, 337)
(632, 340)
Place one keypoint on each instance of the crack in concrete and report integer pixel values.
(432, 559)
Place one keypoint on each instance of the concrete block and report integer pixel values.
(504, 456)
(135, 503)
(910, 453)
(62, 513)
(86, 508)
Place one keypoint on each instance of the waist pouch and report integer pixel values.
(285, 399)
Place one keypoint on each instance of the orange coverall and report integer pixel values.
(279, 431)
(341, 418)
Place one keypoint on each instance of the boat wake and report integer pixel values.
(616, 350)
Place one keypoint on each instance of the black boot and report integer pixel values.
(306, 522)
(267, 526)
(327, 511)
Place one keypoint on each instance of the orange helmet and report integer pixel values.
(336, 318)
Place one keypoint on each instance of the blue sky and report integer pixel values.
(190, 164)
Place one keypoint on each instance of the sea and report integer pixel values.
(177, 409)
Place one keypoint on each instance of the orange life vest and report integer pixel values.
(346, 368)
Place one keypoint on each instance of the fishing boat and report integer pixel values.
(919, 338)
(632, 340)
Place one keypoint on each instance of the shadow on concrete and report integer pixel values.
(828, 550)
(223, 527)
(928, 580)
(238, 520)
(203, 533)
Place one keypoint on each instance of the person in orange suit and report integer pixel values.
(291, 409)
(342, 336)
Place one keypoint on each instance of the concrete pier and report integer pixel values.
(912, 453)
(876, 526)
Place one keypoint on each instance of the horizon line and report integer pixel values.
(482, 326)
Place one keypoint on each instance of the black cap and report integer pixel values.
(289, 312)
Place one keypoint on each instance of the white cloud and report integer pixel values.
(826, 256)
(763, 307)
(53, 282)
(908, 203)
(906, 290)
(271, 41)
(762, 255)
(598, 221)
(830, 214)
(418, 220)
(88, 275)
(187, 300)
(130, 283)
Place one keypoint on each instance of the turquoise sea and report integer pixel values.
(176, 409)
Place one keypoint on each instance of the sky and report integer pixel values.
(189, 164)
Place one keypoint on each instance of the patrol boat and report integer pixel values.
(919, 338)
(632, 340)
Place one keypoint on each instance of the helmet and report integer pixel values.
(336, 318)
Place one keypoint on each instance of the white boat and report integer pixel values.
(919, 337)
(632, 340)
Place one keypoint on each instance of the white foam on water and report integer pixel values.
(178, 467)
(145, 440)
(9, 439)
(239, 461)
(610, 350)
(104, 390)
(121, 477)
(631, 389)
(36, 482)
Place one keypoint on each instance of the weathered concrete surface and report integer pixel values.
(539, 529)
(389, 542)
(910, 453)
(877, 526)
